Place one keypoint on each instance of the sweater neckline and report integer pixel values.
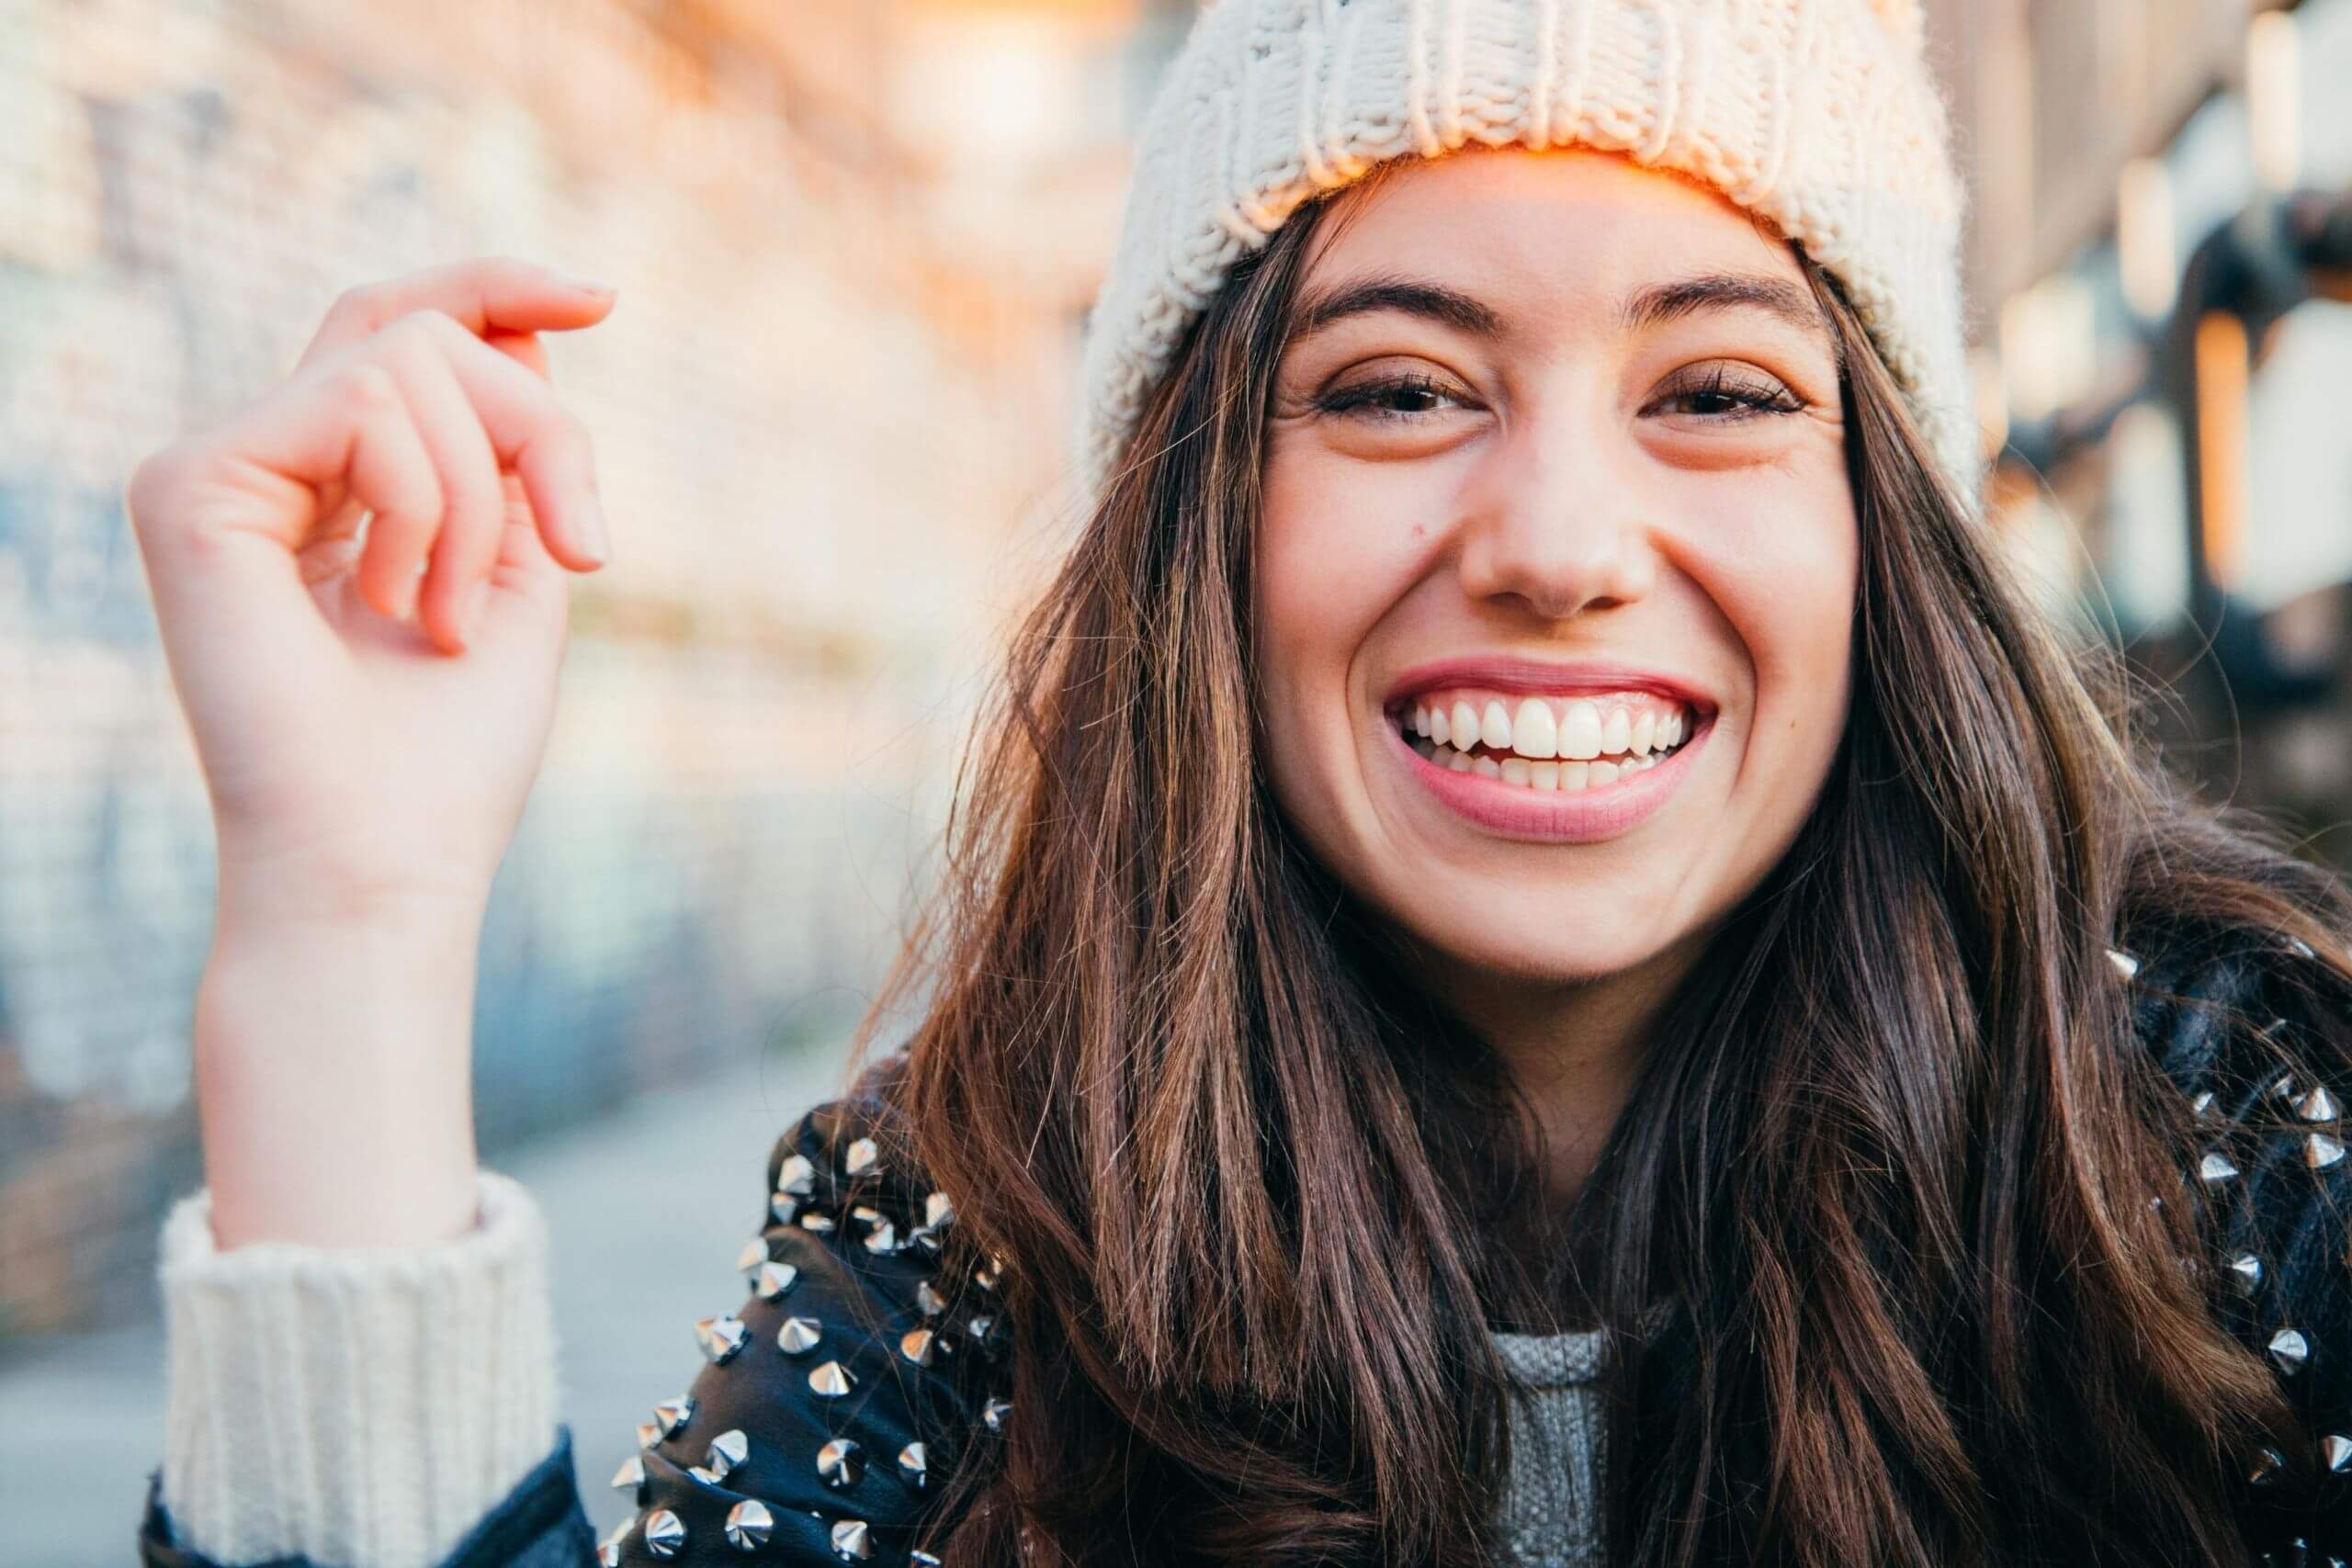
(1552, 1360)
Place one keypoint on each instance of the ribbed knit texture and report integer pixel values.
(360, 1406)
(1551, 1510)
(370, 1407)
(1820, 115)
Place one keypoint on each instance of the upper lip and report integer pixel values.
(1546, 677)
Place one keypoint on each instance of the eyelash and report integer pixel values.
(1755, 399)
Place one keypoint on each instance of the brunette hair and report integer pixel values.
(1881, 1273)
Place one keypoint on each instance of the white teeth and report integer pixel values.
(1575, 776)
(1438, 729)
(1465, 719)
(1580, 731)
(1533, 732)
(1603, 773)
(1486, 767)
(1644, 733)
(1419, 723)
(1544, 775)
(1459, 761)
(1617, 734)
(1566, 778)
(1493, 727)
(1515, 771)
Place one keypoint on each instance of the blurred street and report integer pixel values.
(647, 1206)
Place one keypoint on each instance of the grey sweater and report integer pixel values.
(369, 1405)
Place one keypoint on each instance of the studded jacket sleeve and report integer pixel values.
(834, 1405)
(2254, 1036)
(839, 1397)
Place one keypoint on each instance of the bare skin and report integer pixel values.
(370, 708)
(1617, 474)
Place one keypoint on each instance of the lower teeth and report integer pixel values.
(1570, 777)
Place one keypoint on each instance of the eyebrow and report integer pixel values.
(1652, 306)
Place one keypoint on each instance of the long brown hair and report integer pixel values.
(1880, 1268)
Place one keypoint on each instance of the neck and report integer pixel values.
(1574, 1048)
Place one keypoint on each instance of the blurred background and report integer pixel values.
(855, 241)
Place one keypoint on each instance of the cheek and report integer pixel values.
(1335, 554)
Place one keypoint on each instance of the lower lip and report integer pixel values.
(1578, 816)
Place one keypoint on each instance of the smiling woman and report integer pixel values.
(1544, 960)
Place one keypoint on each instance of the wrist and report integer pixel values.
(334, 1064)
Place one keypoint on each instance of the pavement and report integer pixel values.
(647, 1207)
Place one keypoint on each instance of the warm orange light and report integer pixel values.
(2223, 436)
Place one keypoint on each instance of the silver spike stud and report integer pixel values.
(672, 1415)
(852, 1541)
(937, 1211)
(630, 1476)
(722, 1338)
(2267, 1463)
(2299, 948)
(883, 1238)
(831, 1380)
(2245, 1273)
(817, 1221)
(914, 1466)
(840, 1463)
(727, 1450)
(981, 1329)
(921, 1558)
(2215, 1168)
(2125, 965)
(609, 1551)
(749, 1524)
(2318, 1106)
(796, 1175)
(2289, 1350)
(2202, 1106)
(798, 1335)
(648, 1434)
(920, 1345)
(2335, 1452)
(705, 1475)
(865, 1154)
(754, 1254)
(772, 1280)
(994, 1412)
(928, 1301)
(784, 1206)
(665, 1533)
(2320, 1151)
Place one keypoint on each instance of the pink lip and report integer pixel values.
(1505, 674)
(1587, 817)
(1584, 818)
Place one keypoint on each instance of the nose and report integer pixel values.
(1555, 524)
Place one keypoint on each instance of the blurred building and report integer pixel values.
(2161, 261)
(853, 244)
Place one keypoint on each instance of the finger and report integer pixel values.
(466, 543)
(481, 294)
(392, 475)
(525, 349)
(543, 442)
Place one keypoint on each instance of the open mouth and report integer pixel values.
(1559, 745)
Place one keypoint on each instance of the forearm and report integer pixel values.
(334, 1065)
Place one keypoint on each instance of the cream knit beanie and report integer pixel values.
(1820, 115)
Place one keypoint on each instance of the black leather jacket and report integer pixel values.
(858, 1376)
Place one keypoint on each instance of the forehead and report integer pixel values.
(1564, 228)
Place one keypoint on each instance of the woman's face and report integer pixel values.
(1556, 579)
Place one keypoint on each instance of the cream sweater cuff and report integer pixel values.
(365, 1407)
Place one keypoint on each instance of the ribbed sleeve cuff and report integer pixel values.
(362, 1405)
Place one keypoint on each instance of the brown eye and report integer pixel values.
(1396, 398)
(1723, 395)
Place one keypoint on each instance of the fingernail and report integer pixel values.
(580, 284)
(469, 618)
(592, 535)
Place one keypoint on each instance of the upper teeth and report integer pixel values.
(1631, 723)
